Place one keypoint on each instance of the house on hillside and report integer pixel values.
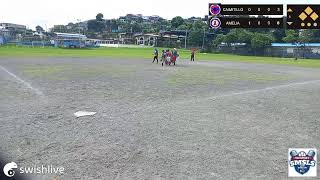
(172, 39)
(11, 32)
(13, 27)
(146, 39)
(126, 38)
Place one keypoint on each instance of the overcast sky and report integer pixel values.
(48, 13)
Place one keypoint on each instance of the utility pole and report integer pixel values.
(204, 34)
(185, 40)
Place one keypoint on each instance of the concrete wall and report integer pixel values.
(123, 46)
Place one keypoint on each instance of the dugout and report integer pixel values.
(67, 40)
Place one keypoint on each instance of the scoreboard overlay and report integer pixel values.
(302, 16)
(238, 16)
(240, 9)
(229, 22)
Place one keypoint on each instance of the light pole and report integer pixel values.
(185, 40)
(79, 21)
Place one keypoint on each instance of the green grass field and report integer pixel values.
(12, 51)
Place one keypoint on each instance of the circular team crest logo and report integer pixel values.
(215, 9)
(215, 23)
(302, 162)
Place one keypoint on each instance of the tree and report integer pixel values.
(196, 32)
(261, 40)
(59, 28)
(183, 27)
(244, 36)
(99, 17)
(92, 25)
(316, 33)
(291, 36)
(279, 34)
(306, 36)
(231, 37)
(98, 24)
(177, 21)
(95, 26)
(39, 29)
(136, 28)
(195, 37)
(218, 40)
(235, 36)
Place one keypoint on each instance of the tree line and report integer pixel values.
(198, 31)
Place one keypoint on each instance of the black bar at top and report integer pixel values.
(241, 9)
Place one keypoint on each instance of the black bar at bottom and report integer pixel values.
(227, 22)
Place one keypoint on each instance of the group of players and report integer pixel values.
(169, 57)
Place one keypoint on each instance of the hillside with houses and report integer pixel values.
(140, 30)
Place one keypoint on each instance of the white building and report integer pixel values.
(13, 27)
(146, 39)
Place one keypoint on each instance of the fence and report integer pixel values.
(34, 43)
(123, 46)
(294, 52)
(3, 40)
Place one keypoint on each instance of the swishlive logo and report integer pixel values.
(11, 168)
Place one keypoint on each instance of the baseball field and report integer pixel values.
(221, 117)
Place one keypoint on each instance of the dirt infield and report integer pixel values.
(202, 120)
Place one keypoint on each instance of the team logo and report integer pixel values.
(302, 162)
(8, 169)
(215, 9)
(215, 23)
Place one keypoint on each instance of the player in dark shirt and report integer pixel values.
(193, 52)
(156, 55)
